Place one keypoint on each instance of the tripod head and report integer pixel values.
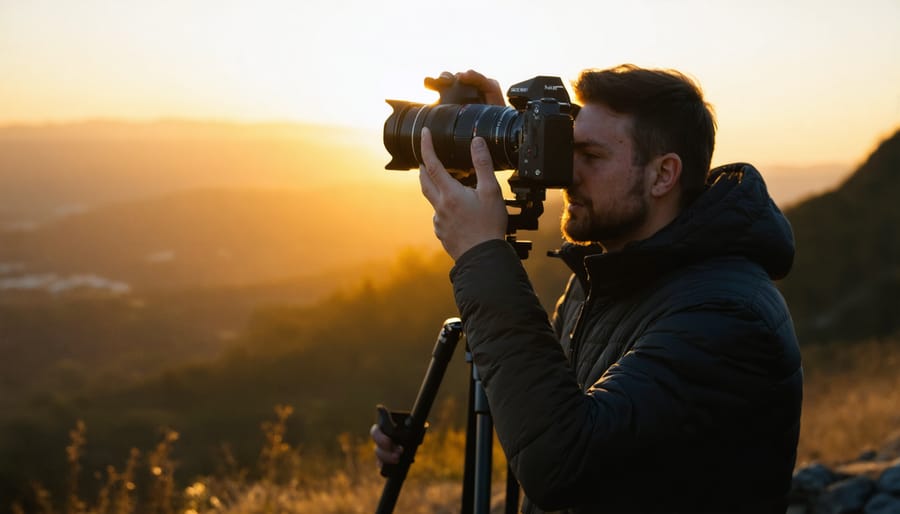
(530, 202)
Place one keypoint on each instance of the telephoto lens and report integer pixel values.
(452, 129)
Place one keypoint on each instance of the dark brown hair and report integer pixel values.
(669, 115)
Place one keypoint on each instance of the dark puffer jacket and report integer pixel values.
(677, 385)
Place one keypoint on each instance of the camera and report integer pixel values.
(533, 137)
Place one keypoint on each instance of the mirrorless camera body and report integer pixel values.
(533, 137)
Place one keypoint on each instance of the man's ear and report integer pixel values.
(666, 174)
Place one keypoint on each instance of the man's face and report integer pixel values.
(606, 202)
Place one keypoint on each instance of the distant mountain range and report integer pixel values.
(791, 185)
(52, 170)
(846, 279)
(131, 206)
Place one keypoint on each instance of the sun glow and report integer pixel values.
(778, 89)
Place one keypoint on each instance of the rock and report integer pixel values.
(811, 481)
(846, 496)
(867, 455)
(889, 481)
(882, 503)
(869, 484)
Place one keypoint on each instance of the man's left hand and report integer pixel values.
(463, 217)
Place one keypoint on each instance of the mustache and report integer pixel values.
(571, 196)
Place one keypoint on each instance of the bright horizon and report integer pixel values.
(793, 83)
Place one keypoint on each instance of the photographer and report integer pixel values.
(669, 378)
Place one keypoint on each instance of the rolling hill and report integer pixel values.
(845, 284)
(223, 237)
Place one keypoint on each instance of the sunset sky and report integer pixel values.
(793, 82)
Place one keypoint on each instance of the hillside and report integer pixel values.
(85, 340)
(333, 361)
(846, 278)
(222, 237)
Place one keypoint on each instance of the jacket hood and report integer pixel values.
(735, 216)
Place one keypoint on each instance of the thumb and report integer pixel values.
(484, 167)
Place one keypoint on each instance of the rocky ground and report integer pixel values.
(868, 485)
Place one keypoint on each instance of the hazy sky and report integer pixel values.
(793, 82)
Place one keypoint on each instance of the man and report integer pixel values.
(669, 379)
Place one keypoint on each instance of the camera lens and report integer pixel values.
(452, 126)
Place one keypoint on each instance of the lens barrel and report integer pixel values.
(452, 126)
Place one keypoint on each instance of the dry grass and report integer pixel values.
(287, 480)
(338, 494)
(851, 404)
(353, 486)
(851, 400)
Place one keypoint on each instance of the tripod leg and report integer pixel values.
(410, 432)
(483, 447)
(468, 493)
(479, 455)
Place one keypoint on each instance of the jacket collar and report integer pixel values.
(734, 216)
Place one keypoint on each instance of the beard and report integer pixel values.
(604, 223)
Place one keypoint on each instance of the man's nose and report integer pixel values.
(576, 172)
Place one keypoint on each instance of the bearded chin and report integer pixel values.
(573, 230)
(592, 229)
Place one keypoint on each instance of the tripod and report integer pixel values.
(408, 429)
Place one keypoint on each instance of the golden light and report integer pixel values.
(336, 63)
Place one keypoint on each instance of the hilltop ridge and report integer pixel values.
(846, 278)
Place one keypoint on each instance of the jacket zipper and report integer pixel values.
(575, 338)
(588, 308)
